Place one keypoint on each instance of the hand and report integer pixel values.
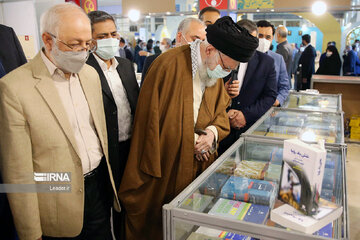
(204, 143)
(233, 89)
(203, 157)
(143, 53)
(277, 103)
(237, 119)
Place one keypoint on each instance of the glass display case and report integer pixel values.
(310, 126)
(314, 102)
(217, 204)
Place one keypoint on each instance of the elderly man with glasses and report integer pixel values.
(52, 123)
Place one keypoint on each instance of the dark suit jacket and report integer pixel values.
(148, 61)
(257, 94)
(285, 50)
(2, 70)
(127, 75)
(11, 52)
(129, 54)
(307, 60)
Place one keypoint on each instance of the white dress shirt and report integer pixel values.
(120, 97)
(241, 73)
(77, 109)
(198, 85)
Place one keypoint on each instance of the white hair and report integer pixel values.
(51, 19)
(184, 24)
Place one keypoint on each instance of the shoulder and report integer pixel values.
(174, 56)
(264, 57)
(18, 79)
(123, 61)
(4, 28)
(89, 71)
(275, 56)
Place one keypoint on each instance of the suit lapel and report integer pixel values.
(91, 98)
(50, 94)
(104, 83)
(251, 68)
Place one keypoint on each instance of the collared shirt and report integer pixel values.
(120, 97)
(77, 109)
(198, 85)
(241, 73)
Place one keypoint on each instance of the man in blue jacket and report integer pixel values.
(266, 34)
(258, 91)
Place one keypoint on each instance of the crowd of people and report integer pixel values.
(77, 108)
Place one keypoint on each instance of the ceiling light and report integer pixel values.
(134, 15)
(318, 8)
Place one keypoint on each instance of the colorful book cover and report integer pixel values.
(302, 175)
(257, 214)
(249, 190)
(230, 209)
(326, 231)
(240, 211)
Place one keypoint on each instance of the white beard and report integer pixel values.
(204, 77)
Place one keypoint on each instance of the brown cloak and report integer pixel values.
(161, 162)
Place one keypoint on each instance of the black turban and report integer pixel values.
(231, 39)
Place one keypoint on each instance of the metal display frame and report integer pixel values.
(250, 131)
(173, 213)
(303, 93)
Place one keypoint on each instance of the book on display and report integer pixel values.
(289, 217)
(302, 175)
(240, 211)
(249, 190)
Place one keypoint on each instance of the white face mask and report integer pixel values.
(264, 45)
(69, 61)
(328, 54)
(218, 72)
(107, 48)
(162, 48)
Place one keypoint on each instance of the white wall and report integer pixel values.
(21, 16)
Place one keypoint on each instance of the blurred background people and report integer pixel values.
(331, 65)
(124, 50)
(284, 48)
(307, 61)
(157, 48)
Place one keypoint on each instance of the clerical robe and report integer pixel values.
(161, 162)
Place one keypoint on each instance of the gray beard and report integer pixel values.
(204, 77)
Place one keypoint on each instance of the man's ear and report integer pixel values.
(48, 41)
(209, 49)
(178, 37)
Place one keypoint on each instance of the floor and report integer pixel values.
(352, 171)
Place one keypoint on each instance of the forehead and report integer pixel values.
(265, 30)
(74, 25)
(210, 17)
(196, 28)
(105, 26)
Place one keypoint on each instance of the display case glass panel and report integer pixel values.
(314, 102)
(242, 187)
(308, 126)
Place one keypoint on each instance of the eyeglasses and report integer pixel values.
(226, 68)
(90, 45)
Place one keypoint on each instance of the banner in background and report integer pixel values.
(89, 5)
(219, 4)
(74, 1)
